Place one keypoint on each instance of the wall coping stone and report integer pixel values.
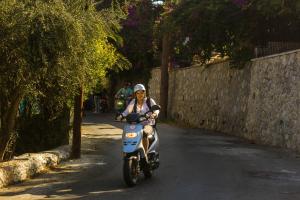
(201, 65)
(226, 60)
(275, 55)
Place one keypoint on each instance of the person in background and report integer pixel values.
(103, 101)
(129, 93)
(97, 103)
(125, 92)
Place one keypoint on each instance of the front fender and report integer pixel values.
(137, 154)
(130, 157)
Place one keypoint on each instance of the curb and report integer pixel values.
(29, 164)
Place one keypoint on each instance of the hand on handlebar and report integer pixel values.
(153, 116)
(119, 117)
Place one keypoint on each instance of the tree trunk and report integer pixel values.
(164, 86)
(8, 123)
(113, 86)
(78, 109)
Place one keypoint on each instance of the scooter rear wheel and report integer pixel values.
(131, 171)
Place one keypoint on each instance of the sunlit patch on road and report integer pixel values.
(107, 131)
(63, 191)
(107, 191)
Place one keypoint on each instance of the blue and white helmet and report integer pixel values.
(138, 87)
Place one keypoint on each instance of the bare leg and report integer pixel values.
(145, 143)
(147, 130)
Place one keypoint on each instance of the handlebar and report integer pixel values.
(134, 117)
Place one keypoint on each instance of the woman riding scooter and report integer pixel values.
(141, 104)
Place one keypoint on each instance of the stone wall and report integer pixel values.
(30, 164)
(212, 97)
(260, 102)
(154, 84)
(274, 102)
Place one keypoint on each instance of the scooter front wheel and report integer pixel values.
(147, 172)
(131, 171)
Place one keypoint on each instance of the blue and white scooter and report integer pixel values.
(136, 160)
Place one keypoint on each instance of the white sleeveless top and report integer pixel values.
(141, 110)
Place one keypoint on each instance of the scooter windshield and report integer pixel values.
(132, 118)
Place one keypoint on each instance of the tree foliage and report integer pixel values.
(47, 50)
(230, 27)
(137, 34)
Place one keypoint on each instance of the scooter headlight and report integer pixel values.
(131, 135)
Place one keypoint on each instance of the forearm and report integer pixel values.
(128, 109)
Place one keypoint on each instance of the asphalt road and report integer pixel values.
(195, 164)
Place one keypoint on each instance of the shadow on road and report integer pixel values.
(97, 173)
(195, 164)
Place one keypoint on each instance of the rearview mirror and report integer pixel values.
(155, 107)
